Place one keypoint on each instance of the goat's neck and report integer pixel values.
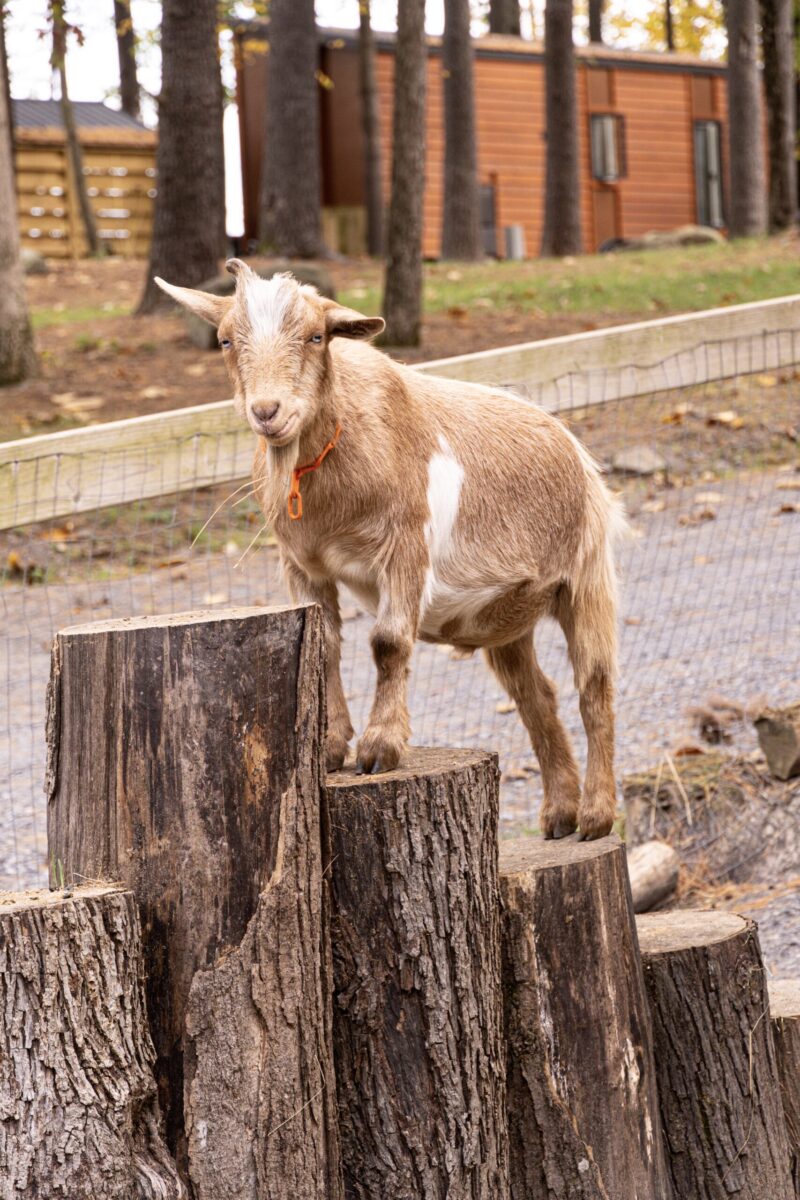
(321, 429)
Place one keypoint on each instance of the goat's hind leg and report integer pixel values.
(517, 668)
(589, 625)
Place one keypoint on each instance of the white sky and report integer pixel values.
(93, 68)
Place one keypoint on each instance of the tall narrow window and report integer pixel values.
(608, 147)
(708, 173)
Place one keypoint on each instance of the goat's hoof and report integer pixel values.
(595, 825)
(378, 752)
(558, 827)
(335, 753)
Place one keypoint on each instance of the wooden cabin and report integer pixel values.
(651, 130)
(119, 161)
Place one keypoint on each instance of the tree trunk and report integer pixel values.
(504, 17)
(126, 49)
(653, 869)
(562, 203)
(291, 180)
(74, 152)
(717, 1071)
(17, 357)
(747, 204)
(778, 732)
(402, 297)
(461, 230)
(596, 20)
(784, 1011)
(370, 119)
(5, 82)
(668, 25)
(417, 1000)
(189, 158)
(777, 41)
(183, 758)
(80, 1116)
(582, 1102)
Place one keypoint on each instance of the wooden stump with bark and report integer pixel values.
(79, 1116)
(784, 1011)
(183, 758)
(582, 1103)
(417, 1001)
(718, 1081)
(653, 869)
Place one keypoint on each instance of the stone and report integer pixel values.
(778, 732)
(204, 336)
(638, 460)
(33, 262)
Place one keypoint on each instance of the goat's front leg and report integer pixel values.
(305, 590)
(384, 741)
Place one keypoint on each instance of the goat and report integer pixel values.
(456, 513)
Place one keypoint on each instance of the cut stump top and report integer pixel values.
(419, 761)
(518, 855)
(687, 929)
(11, 902)
(198, 616)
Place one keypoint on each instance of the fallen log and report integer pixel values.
(718, 1083)
(183, 758)
(417, 1001)
(653, 869)
(778, 732)
(79, 1116)
(582, 1105)
(784, 1011)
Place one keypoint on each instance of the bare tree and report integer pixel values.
(402, 299)
(370, 119)
(189, 159)
(747, 215)
(291, 177)
(562, 209)
(7, 84)
(17, 358)
(504, 17)
(777, 42)
(126, 49)
(461, 231)
(669, 28)
(61, 29)
(595, 20)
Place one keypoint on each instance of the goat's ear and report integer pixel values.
(210, 308)
(346, 322)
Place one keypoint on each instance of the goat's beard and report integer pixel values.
(274, 481)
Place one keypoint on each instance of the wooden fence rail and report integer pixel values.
(59, 475)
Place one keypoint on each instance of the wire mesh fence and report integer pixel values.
(710, 572)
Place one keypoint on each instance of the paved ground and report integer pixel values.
(711, 604)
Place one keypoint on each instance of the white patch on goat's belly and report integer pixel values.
(267, 304)
(447, 596)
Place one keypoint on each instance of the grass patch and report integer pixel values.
(44, 318)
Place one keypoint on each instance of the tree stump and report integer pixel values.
(784, 1011)
(79, 1116)
(718, 1082)
(417, 1003)
(653, 869)
(778, 732)
(184, 759)
(582, 1103)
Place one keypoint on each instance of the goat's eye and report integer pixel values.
(226, 343)
(316, 338)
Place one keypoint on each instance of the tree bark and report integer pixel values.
(596, 21)
(777, 42)
(669, 27)
(504, 17)
(183, 758)
(747, 204)
(653, 869)
(291, 179)
(17, 357)
(370, 119)
(562, 204)
(417, 1000)
(74, 152)
(461, 230)
(402, 297)
(582, 1102)
(126, 49)
(717, 1072)
(778, 732)
(784, 1011)
(189, 159)
(77, 1096)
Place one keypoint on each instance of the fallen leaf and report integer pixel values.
(633, 620)
(728, 418)
(789, 508)
(767, 381)
(788, 485)
(514, 775)
(654, 506)
(701, 560)
(505, 706)
(195, 370)
(458, 312)
(697, 518)
(154, 392)
(687, 749)
(215, 598)
(708, 498)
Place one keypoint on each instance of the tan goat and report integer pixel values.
(455, 513)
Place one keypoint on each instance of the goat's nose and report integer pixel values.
(264, 413)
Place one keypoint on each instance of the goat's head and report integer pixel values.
(275, 335)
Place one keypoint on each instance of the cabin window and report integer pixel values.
(608, 147)
(708, 173)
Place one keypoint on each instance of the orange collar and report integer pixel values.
(295, 502)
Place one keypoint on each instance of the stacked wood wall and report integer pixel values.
(120, 170)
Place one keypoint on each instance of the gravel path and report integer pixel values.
(710, 604)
